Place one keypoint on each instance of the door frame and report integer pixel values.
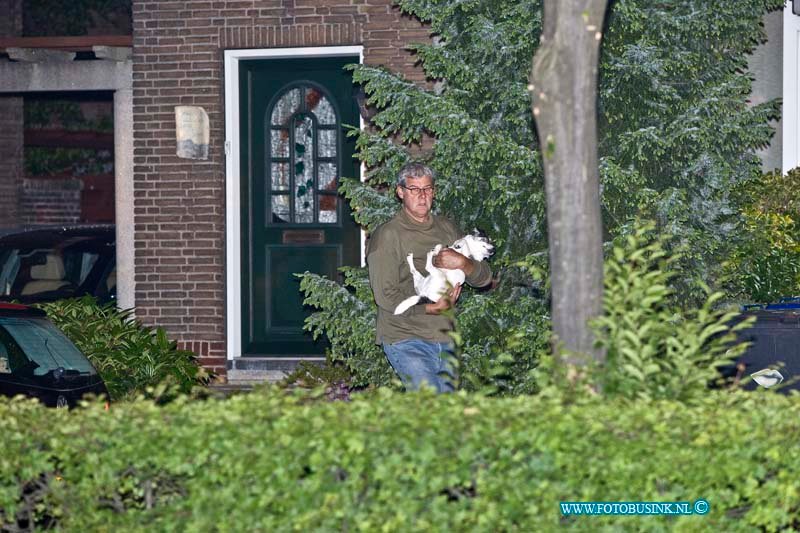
(233, 252)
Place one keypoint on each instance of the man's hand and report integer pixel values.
(449, 258)
(445, 302)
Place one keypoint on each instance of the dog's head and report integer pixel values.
(474, 247)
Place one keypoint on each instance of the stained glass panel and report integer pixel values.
(304, 168)
(327, 176)
(286, 107)
(280, 208)
(319, 104)
(327, 143)
(327, 208)
(280, 176)
(295, 138)
(303, 210)
(280, 143)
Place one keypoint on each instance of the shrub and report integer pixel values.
(766, 263)
(132, 359)
(501, 335)
(500, 332)
(655, 347)
(347, 315)
(333, 377)
(400, 462)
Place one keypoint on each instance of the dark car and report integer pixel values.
(774, 342)
(42, 264)
(39, 361)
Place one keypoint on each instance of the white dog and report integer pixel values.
(439, 279)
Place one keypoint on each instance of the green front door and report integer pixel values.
(294, 150)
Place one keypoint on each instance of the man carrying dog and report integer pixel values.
(416, 342)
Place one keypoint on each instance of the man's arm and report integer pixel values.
(445, 302)
(478, 273)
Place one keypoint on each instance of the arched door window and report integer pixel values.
(303, 157)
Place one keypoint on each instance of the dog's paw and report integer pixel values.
(437, 249)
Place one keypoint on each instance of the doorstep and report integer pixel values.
(256, 370)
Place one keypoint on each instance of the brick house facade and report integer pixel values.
(179, 205)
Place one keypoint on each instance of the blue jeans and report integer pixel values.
(417, 361)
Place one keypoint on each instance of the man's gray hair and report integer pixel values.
(415, 170)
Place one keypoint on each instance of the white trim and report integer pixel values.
(791, 90)
(363, 170)
(233, 252)
(233, 311)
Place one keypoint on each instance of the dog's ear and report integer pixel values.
(478, 233)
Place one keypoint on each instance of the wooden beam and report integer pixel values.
(69, 139)
(81, 43)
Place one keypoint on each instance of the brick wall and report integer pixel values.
(11, 125)
(11, 158)
(179, 205)
(50, 201)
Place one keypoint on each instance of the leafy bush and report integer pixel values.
(766, 263)
(333, 377)
(656, 348)
(400, 462)
(347, 316)
(499, 336)
(132, 359)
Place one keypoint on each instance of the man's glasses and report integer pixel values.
(418, 191)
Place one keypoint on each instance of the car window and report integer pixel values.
(27, 272)
(40, 347)
(110, 282)
(78, 265)
(10, 268)
(5, 364)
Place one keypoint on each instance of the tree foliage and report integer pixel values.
(677, 131)
(77, 17)
(676, 134)
(66, 115)
(765, 266)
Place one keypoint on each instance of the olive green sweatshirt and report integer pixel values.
(391, 278)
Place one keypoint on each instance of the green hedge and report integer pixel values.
(270, 461)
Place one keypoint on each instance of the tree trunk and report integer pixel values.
(564, 91)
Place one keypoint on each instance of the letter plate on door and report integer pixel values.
(303, 236)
